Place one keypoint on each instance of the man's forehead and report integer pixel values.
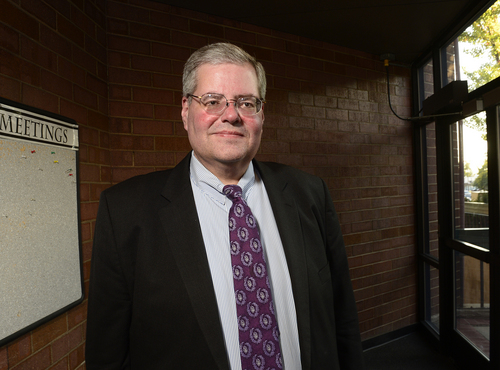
(208, 74)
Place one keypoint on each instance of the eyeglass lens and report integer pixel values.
(216, 103)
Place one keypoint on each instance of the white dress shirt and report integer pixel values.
(213, 209)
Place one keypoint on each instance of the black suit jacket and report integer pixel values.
(152, 304)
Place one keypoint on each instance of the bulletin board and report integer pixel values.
(40, 242)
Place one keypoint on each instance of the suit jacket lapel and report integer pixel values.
(184, 237)
(289, 227)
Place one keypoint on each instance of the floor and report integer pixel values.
(411, 352)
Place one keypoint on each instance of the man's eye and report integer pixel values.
(247, 103)
(212, 102)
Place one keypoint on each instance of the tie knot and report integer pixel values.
(233, 192)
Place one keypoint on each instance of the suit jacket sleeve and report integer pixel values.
(346, 317)
(318, 266)
(109, 305)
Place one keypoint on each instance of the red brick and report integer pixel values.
(61, 365)
(55, 42)
(168, 81)
(56, 84)
(71, 72)
(70, 31)
(40, 99)
(84, 60)
(48, 332)
(16, 67)
(173, 21)
(38, 54)
(19, 350)
(77, 357)
(98, 120)
(95, 49)
(122, 158)
(62, 346)
(4, 361)
(9, 39)
(120, 92)
(172, 144)
(9, 88)
(85, 97)
(127, 12)
(188, 39)
(154, 159)
(151, 64)
(126, 76)
(40, 360)
(105, 174)
(118, 26)
(98, 156)
(163, 112)
(88, 211)
(152, 127)
(141, 94)
(119, 109)
(170, 51)
(121, 174)
(79, 19)
(89, 172)
(131, 142)
(19, 20)
(97, 85)
(149, 32)
(88, 136)
(120, 43)
(96, 14)
(116, 59)
(120, 125)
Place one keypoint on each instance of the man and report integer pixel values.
(163, 284)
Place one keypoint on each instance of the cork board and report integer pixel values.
(40, 242)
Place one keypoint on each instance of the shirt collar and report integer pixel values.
(210, 184)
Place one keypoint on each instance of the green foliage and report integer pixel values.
(481, 181)
(467, 170)
(484, 36)
(478, 123)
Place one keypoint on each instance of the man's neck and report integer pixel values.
(227, 173)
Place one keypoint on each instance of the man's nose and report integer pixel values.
(231, 112)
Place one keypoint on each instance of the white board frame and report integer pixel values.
(41, 272)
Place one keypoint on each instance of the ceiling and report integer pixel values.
(405, 28)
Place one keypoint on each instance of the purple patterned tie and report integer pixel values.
(258, 328)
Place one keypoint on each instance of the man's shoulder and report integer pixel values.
(286, 172)
(149, 183)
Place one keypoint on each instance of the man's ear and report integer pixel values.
(185, 111)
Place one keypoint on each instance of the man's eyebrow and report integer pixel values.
(249, 95)
(245, 96)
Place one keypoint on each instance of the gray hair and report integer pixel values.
(220, 53)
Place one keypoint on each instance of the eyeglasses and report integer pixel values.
(216, 104)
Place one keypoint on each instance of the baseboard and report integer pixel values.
(388, 337)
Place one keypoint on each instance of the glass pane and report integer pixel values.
(426, 81)
(472, 301)
(478, 50)
(449, 71)
(470, 163)
(432, 296)
(432, 201)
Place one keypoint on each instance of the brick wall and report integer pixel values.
(115, 67)
(53, 56)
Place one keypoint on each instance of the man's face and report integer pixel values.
(229, 140)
